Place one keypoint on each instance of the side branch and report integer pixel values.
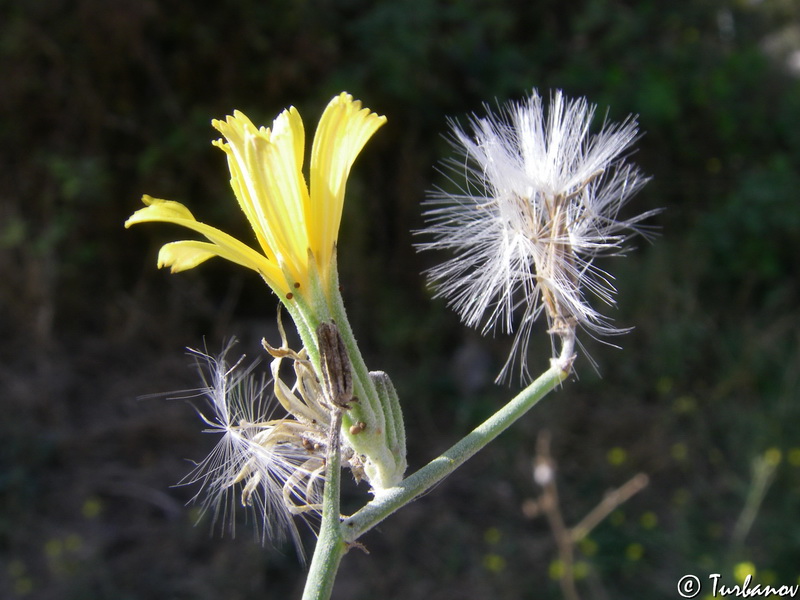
(391, 499)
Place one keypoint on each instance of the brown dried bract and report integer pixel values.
(337, 377)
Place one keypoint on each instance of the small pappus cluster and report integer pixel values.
(540, 201)
(272, 466)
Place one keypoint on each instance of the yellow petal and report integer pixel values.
(185, 255)
(275, 166)
(267, 179)
(245, 203)
(166, 209)
(343, 130)
(234, 128)
(224, 245)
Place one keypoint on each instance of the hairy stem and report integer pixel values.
(330, 544)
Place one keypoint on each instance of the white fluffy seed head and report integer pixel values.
(539, 199)
(257, 462)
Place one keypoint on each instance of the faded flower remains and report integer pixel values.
(541, 200)
(273, 461)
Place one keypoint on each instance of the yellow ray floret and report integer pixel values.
(180, 256)
(288, 219)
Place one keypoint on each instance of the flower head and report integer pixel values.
(296, 225)
(541, 201)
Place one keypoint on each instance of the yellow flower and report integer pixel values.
(295, 224)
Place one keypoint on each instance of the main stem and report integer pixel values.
(330, 545)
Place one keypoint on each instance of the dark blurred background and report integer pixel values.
(104, 101)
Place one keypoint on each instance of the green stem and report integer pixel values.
(381, 414)
(336, 535)
(391, 499)
(330, 544)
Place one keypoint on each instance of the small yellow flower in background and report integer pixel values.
(767, 576)
(580, 569)
(742, 570)
(634, 551)
(773, 456)
(494, 563)
(616, 456)
(556, 569)
(492, 536)
(794, 457)
(649, 520)
(588, 546)
(679, 451)
(681, 497)
(296, 225)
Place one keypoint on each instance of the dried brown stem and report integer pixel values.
(548, 503)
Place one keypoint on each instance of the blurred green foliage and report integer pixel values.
(102, 102)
